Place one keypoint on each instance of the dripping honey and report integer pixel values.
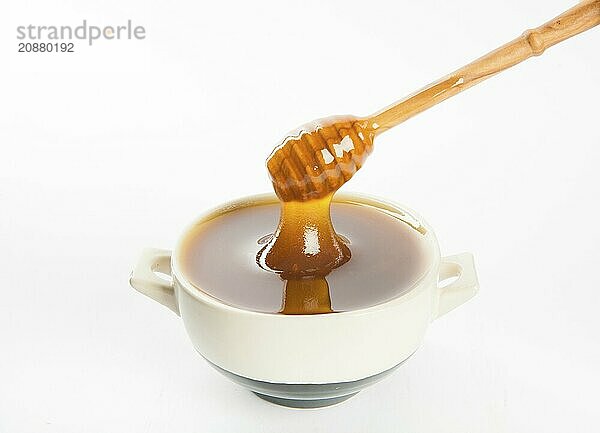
(306, 170)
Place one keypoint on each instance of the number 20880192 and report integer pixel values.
(46, 47)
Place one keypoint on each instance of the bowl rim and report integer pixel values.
(412, 218)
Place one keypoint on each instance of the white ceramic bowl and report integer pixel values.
(309, 360)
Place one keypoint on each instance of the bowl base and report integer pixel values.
(305, 404)
(305, 395)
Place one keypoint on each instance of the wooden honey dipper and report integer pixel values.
(318, 158)
(313, 162)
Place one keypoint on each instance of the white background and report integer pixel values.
(119, 145)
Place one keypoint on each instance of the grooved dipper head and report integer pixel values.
(318, 158)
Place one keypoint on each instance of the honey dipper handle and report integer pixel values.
(533, 42)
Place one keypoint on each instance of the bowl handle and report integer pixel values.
(460, 290)
(145, 280)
